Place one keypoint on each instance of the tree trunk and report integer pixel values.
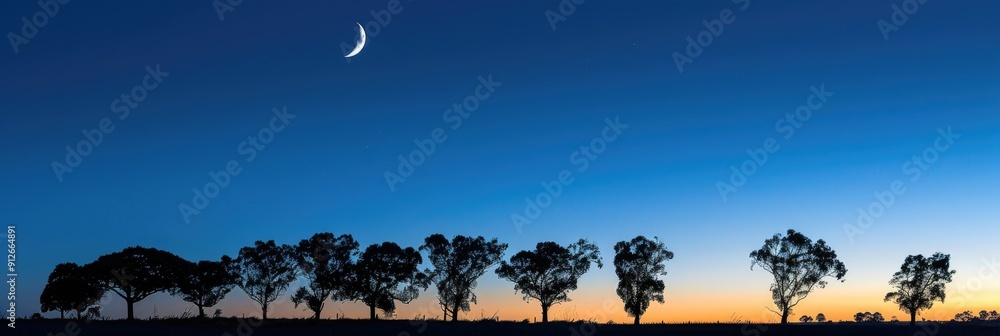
(131, 314)
(637, 319)
(317, 314)
(263, 312)
(62, 314)
(372, 316)
(545, 314)
(913, 317)
(784, 316)
(201, 311)
(454, 313)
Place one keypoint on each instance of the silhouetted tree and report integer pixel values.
(205, 283)
(384, 274)
(869, 317)
(798, 266)
(639, 264)
(458, 264)
(920, 282)
(549, 272)
(93, 313)
(70, 288)
(805, 319)
(325, 261)
(820, 318)
(265, 271)
(965, 316)
(136, 272)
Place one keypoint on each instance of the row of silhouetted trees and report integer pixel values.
(385, 273)
(966, 316)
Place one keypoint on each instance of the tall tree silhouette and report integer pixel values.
(920, 282)
(639, 263)
(205, 283)
(325, 261)
(384, 274)
(70, 288)
(457, 266)
(549, 272)
(798, 266)
(136, 272)
(265, 271)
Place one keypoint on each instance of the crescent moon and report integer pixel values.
(361, 42)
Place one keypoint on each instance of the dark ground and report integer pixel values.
(238, 327)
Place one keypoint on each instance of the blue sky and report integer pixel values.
(325, 170)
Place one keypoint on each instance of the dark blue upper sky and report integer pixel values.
(608, 59)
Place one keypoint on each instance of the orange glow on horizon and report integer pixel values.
(741, 308)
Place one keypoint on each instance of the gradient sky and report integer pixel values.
(325, 171)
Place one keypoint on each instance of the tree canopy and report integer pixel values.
(136, 272)
(798, 266)
(325, 261)
(265, 271)
(205, 283)
(386, 273)
(639, 263)
(869, 317)
(920, 282)
(70, 288)
(458, 264)
(549, 272)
